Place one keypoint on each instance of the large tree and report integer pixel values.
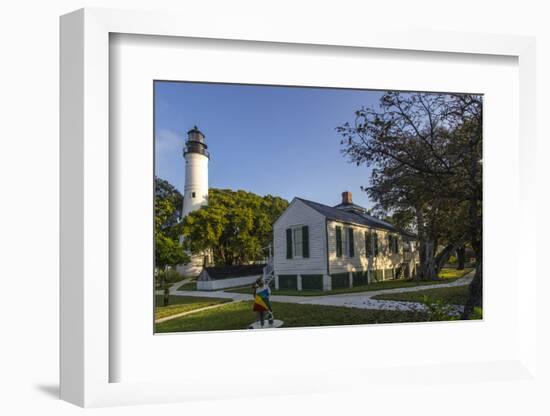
(235, 226)
(168, 204)
(425, 153)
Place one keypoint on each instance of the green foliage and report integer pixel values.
(477, 313)
(167, 276)
(168, 251)
(425, 152)
(452, 260)
(235, 226)
(438, 309)
(171, 203)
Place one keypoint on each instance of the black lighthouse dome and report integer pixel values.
(195, 143)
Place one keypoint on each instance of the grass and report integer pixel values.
(450, 273)
(239, 315)
(188, 286)
(457, 295)
(172, 277)
(179, 304)
(445, 276)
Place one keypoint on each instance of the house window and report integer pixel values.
(338, 241)
(351, 242)
(193, 194)
(345, 242)
(375, 244)
(368, 243)
(393, 244)
(297, 242)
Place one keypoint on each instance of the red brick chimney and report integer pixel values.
(346, 198)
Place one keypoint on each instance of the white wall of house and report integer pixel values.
(296, 215)
(360, 261)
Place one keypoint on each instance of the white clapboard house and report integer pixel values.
(318, 247)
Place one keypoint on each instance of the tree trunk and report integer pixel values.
(166, 298)
(461, 256)
(475, 293)
(442, 257)
(427, 269)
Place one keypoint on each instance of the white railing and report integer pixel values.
(268, 270)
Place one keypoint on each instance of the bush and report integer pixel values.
(477, 313)
(169, 276)
(452, 260)
(438, 310)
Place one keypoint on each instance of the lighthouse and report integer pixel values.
(195, 193)
(196, 158)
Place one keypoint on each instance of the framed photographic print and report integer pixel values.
(319, 199)
(282, 235)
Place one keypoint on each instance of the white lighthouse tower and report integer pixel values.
(195, 193)
(196, 172)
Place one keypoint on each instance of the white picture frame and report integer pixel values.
(85, 210)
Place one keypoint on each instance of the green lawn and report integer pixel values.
(239, 315)
(450, 273)
(457, 295)
(188, 286)
(446, 276)
(179, 304)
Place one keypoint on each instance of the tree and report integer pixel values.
(461, 257)
(235, 226)
(172, 199)
(168, 251)
(425, 153)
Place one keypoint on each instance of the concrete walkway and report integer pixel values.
(362, 300)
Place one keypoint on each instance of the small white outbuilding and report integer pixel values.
(318, 247)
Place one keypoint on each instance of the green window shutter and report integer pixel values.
(375, 244)
(338, 241)
(288, 243)
(305, 241)
(351, 243)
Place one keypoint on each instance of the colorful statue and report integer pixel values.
(261, 302)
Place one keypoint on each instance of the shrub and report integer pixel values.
(438, 310)
(169, 276)
(477, 313)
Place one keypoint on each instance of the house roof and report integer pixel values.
(354, 217)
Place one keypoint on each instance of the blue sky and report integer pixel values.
(267, 140)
